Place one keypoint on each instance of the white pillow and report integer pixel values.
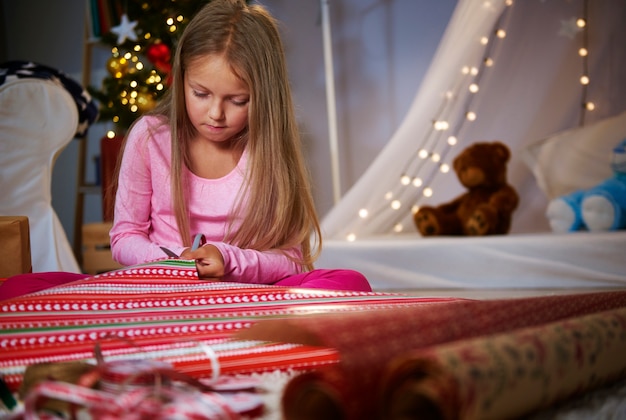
(575, 159)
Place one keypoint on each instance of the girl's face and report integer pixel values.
(216, 99)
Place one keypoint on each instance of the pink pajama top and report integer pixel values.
(144, 215)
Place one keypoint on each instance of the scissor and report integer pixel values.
(198, 240)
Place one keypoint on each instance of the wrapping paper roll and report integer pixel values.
(368, 341)
(508, 375)
(166, 313)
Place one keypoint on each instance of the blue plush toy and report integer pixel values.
(600, 208)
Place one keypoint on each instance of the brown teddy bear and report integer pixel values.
(487, 206)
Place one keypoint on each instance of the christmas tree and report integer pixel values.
(143, 41)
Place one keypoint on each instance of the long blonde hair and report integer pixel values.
(280, 212)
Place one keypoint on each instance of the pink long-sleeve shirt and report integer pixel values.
(144, 216)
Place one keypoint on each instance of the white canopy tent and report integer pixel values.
(507, 71)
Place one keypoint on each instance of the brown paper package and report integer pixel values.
(14, 246)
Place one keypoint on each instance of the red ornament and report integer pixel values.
(159, 54)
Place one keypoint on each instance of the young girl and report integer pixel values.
(220, 156)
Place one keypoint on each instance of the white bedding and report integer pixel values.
(516, 261)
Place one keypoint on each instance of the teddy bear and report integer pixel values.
(599, 208)
(486, 208)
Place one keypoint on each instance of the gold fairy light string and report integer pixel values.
(583, 52)
(427, 153)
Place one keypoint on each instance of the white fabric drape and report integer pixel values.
(38, 118)
(531, 91)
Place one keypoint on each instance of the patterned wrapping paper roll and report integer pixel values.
(368, 341)
(508, 375)
(161, 310)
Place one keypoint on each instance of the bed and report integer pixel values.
(530, 256)
(312, 352)
(578, 260)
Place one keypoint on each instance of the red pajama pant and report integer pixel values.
(315, 279)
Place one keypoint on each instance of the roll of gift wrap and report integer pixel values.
(508, 375)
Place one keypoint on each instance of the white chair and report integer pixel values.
(38, 118)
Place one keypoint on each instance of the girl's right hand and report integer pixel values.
(209, 262)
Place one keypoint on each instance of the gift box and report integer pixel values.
(14, 246)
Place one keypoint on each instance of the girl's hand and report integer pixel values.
(209, 261)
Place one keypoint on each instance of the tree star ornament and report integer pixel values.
(125, 29)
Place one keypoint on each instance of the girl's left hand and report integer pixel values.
(209, 262)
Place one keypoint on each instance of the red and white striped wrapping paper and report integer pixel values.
(161, 310)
